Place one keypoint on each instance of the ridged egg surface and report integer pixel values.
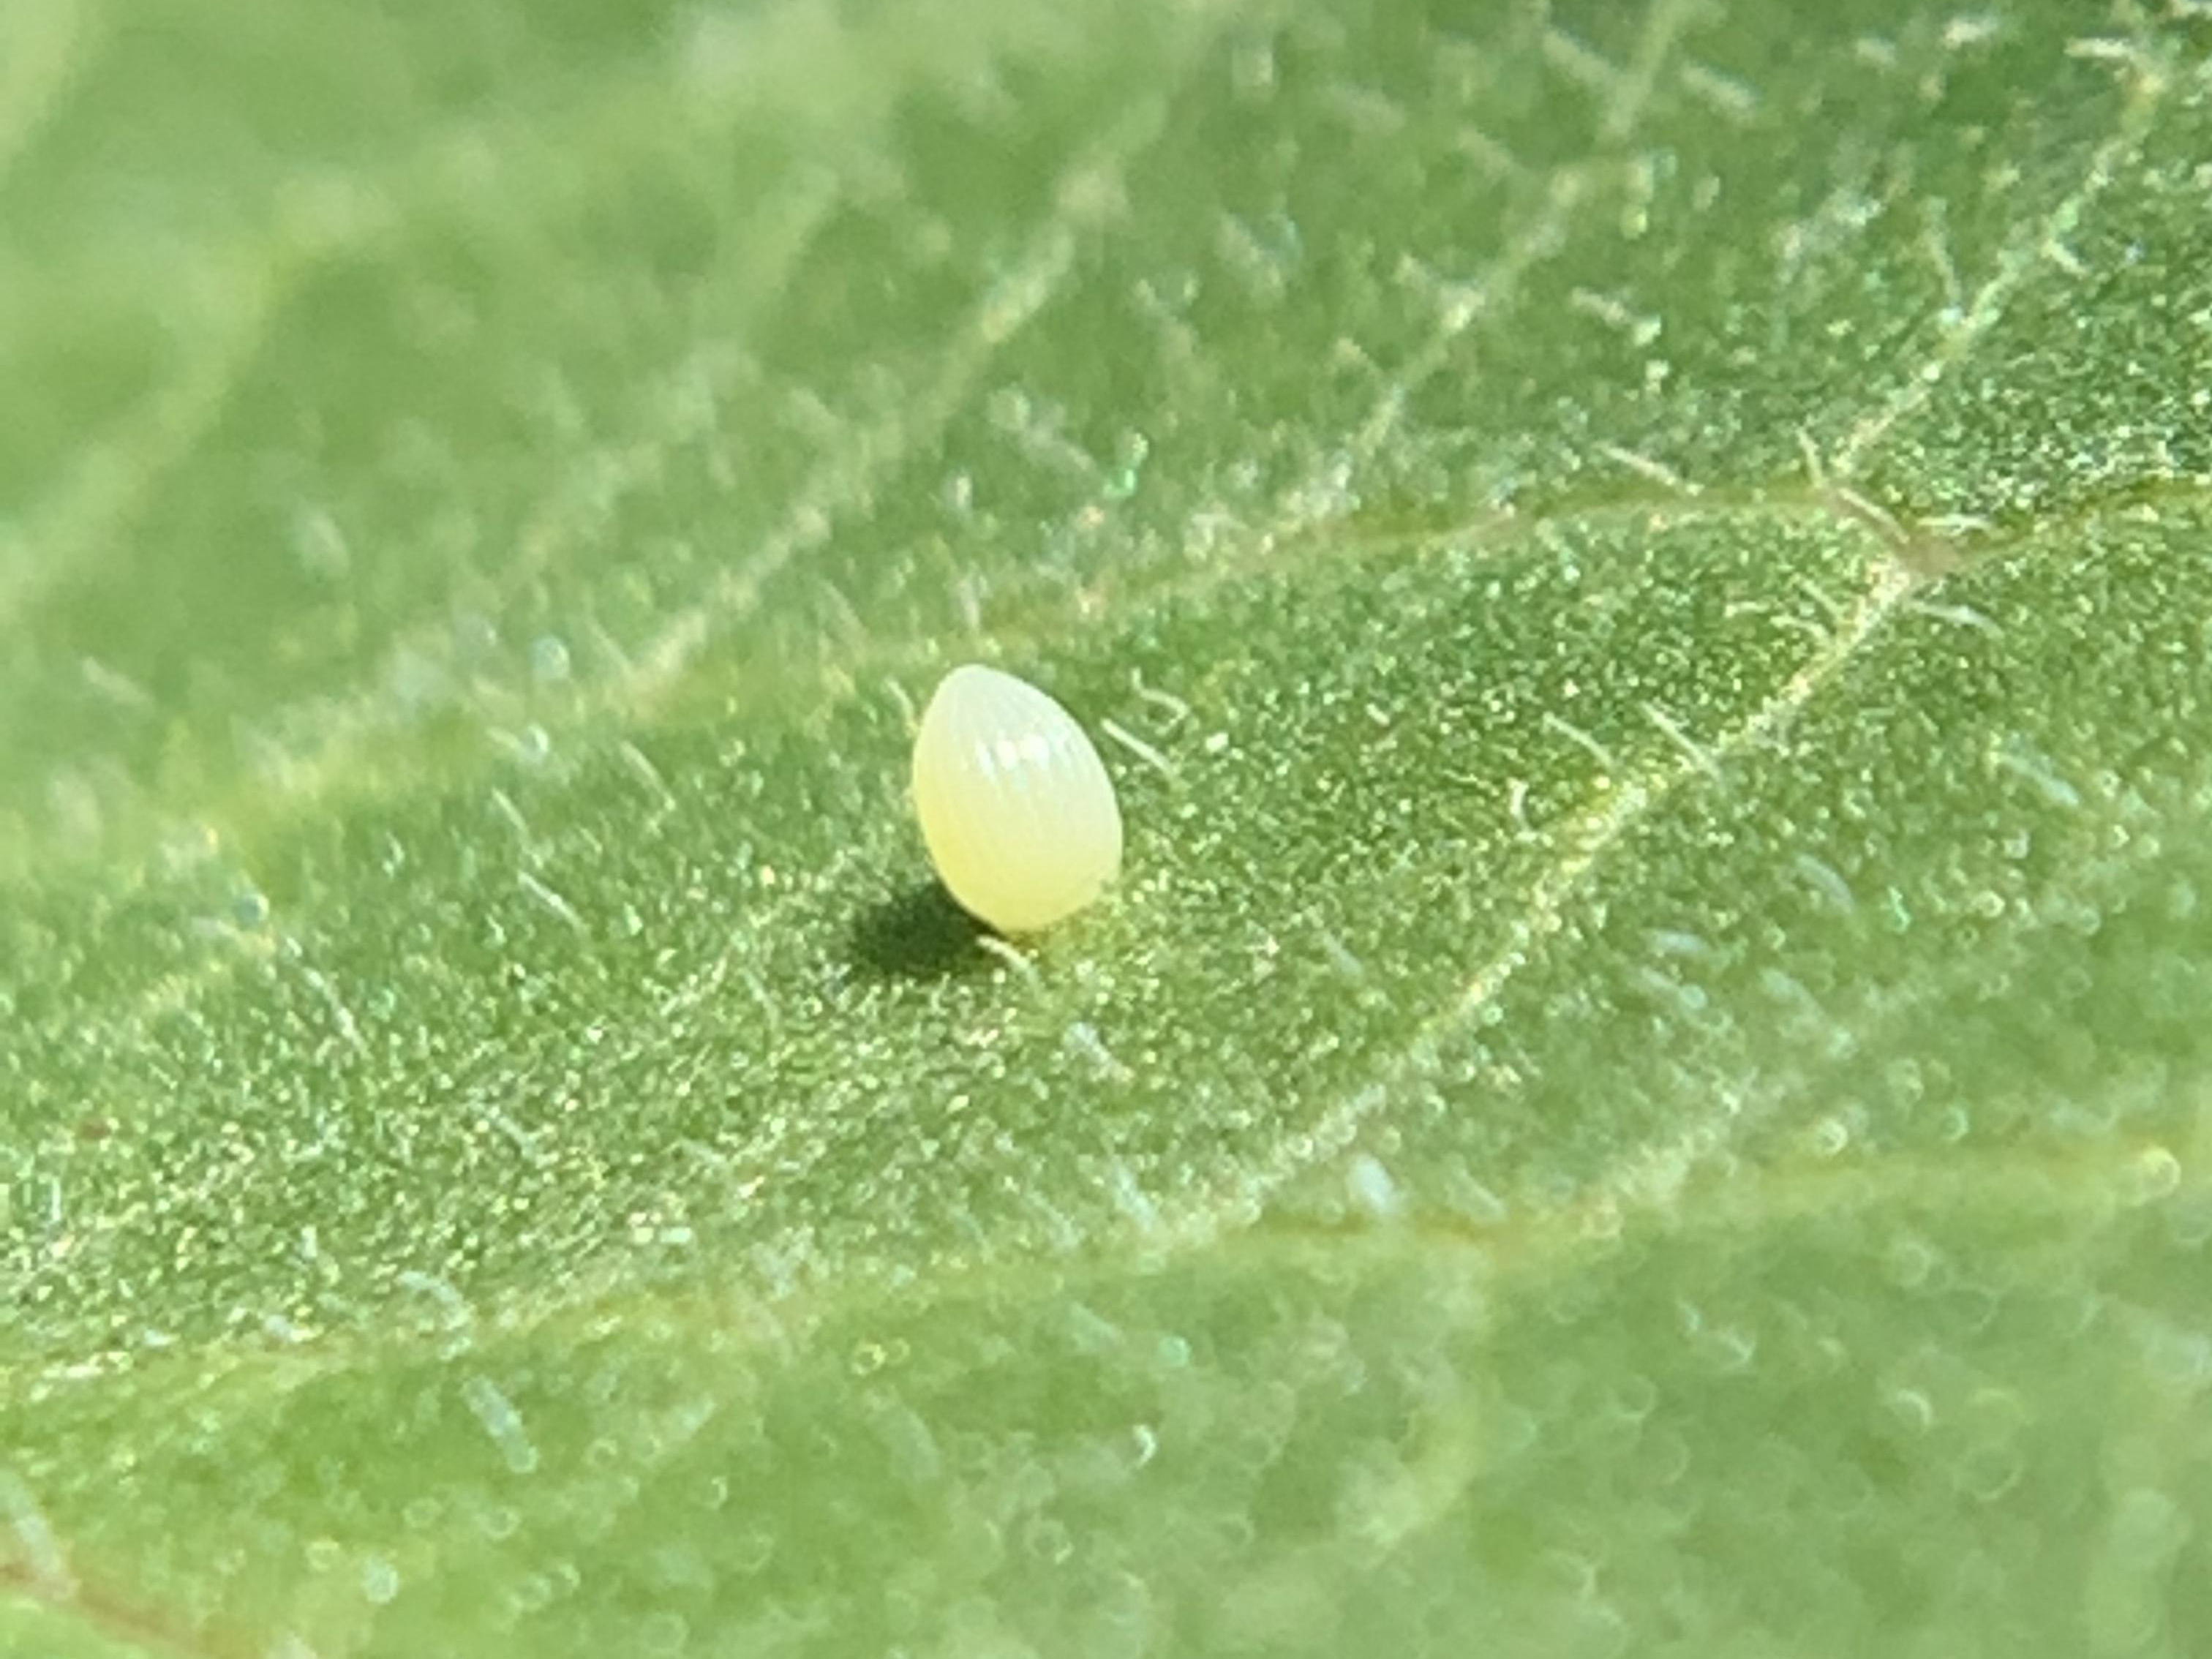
(1016, 807)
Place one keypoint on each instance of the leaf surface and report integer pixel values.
(1644, 574)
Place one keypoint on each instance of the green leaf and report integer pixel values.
(1645, 574)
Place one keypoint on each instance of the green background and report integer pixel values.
(1644, 571)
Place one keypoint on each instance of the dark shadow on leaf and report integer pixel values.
(919, 934)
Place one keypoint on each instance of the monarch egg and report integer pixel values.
(1016, 807)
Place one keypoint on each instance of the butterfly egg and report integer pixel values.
(1016, 807)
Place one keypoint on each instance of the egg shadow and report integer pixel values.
(918, 934)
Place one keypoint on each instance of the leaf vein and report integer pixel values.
(1593, 839)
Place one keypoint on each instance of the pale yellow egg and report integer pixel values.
(1016, 807)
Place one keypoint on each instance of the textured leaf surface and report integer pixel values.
(1645, 572)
